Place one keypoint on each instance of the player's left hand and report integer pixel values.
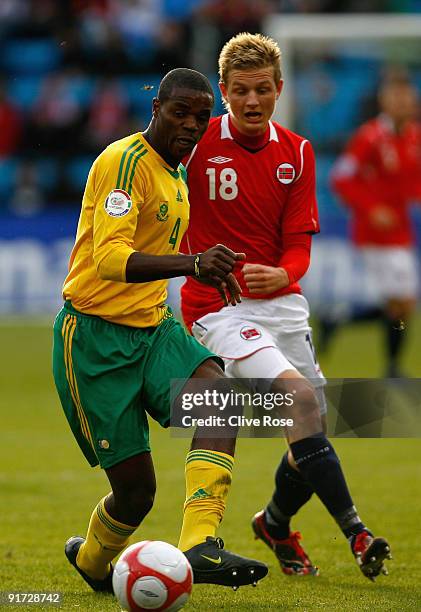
(264, 279)
(228, 289)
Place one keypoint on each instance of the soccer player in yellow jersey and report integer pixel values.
(117, 346)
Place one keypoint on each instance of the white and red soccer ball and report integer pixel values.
(152, 575)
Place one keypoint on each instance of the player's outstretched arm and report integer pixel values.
(143, 268)
(213, 267)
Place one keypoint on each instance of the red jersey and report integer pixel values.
(247, 199)
(380, 168)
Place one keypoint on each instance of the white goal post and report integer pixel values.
(291, 31)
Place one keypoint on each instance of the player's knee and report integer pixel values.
(208, 369)
(303, 393)
(306, 407)
(401, 309)
(323, 418)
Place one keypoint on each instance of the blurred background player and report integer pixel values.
(252, 185)
(377, 178)
(117, 344)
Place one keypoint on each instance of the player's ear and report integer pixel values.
(156, 104)
(279, 88)
(223, 89)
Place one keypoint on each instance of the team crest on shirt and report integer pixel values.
(285, 173)
(162, 214)
(118, 203)
(250, 333)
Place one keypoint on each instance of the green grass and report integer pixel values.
(48, 491)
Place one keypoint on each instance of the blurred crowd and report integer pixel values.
(78, 74)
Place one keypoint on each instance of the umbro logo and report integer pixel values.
(220, 160)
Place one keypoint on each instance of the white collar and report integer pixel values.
(387, 123)
(226, 132)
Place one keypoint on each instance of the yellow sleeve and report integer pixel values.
(115, 219)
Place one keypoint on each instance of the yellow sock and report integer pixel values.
(106, 537)
(208, 479)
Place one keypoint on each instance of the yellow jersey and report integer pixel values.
(133, 201)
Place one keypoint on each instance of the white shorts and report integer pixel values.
(392, 271)
(260, 339)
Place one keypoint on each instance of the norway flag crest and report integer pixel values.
(250, 333)
(285, 173)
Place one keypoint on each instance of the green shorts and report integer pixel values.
(109, 377)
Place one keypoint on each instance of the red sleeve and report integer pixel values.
(417, 193)
(358, 194)
(300, 212)
(416, 186)
(296, 255)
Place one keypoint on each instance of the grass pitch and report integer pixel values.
(48, 491)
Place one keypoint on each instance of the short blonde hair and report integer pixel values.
(245, 51)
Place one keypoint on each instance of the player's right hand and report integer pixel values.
(215, 269)
(217, 262)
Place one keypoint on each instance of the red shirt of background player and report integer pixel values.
(250, 195)
(380, 168)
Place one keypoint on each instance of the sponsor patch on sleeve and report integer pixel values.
(118, 203)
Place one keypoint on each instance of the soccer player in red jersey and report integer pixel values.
(252, 186)
(377, 177)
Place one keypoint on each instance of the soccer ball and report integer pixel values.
(152, 575)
